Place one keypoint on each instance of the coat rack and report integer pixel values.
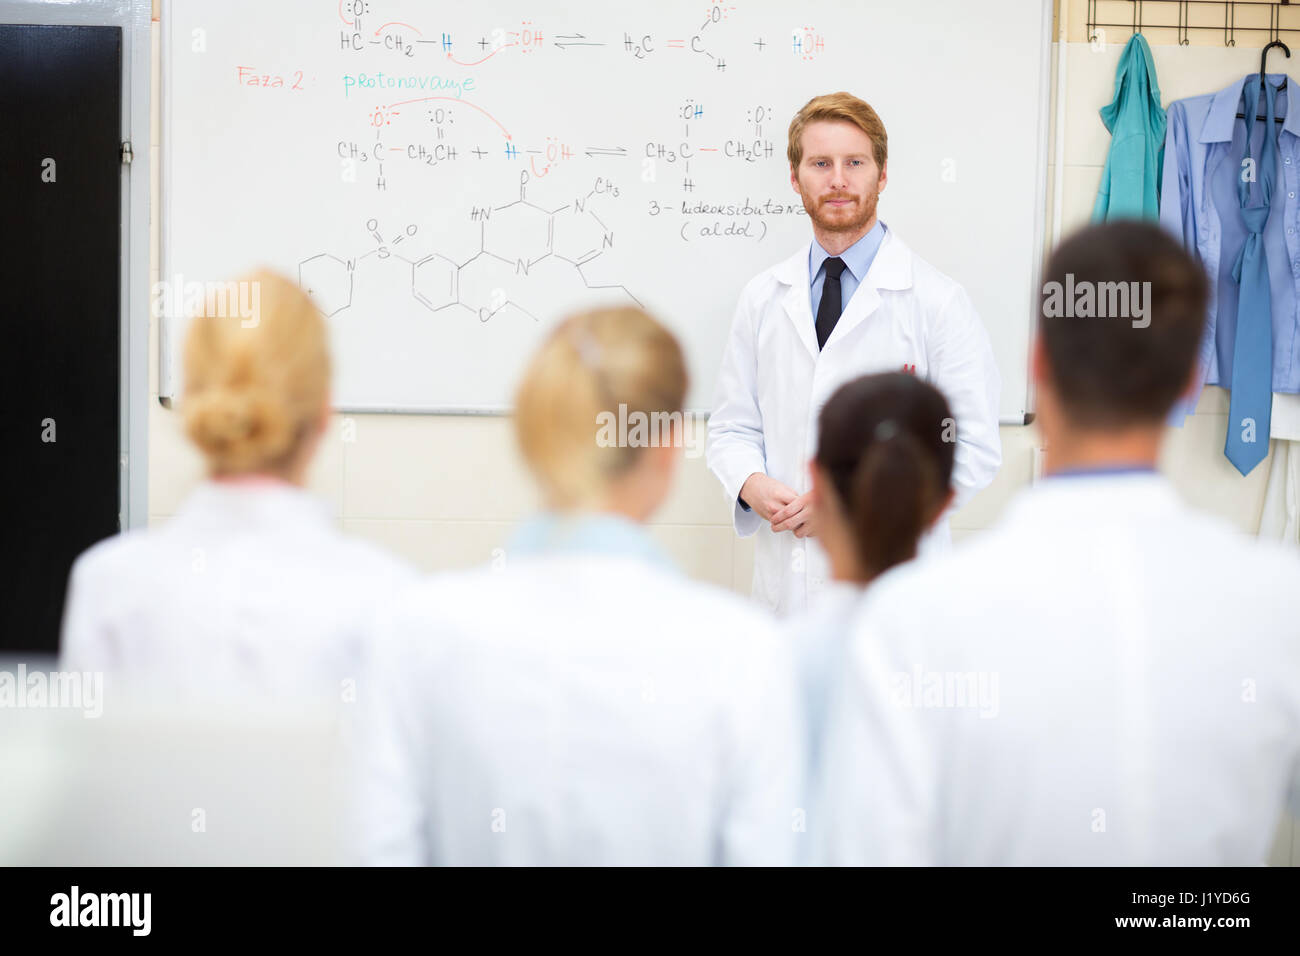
(1225, 11)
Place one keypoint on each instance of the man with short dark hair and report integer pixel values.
(1106, 677)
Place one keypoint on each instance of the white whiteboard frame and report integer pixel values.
(166, 377)
(1040, 208)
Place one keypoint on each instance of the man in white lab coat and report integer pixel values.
(1106, 677)
(854, 300)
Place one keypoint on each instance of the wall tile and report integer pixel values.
(1213, 401)
(325, 476)
(433, 546)
(1018, 443)
(696, 497)
(1193, 459)
(435, 467)
(174, 466)
(1091, 77)
(742, 570)
(1081, 185)
(702, 552)
(1281, 854)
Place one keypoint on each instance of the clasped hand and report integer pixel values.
(779, 505)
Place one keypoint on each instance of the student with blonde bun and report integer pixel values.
(881, 478)
(249, 588)
(585, 703)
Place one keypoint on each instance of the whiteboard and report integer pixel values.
(449, 181)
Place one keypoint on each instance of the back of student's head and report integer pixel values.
(1121, 317)
(886, 443)
(597, 368)
(256, 386)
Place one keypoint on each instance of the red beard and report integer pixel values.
(850, 218)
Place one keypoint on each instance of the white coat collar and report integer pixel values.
(891, 269)
(596, 533)
(1086, 499)
(257, 504)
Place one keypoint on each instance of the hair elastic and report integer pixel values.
(588, 350)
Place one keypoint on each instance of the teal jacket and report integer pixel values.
(1130, 183)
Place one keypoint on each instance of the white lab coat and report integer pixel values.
(585, 709)
(774, 382)
(1104, 678)
(818, 638)
(248, 590)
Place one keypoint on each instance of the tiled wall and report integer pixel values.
(444, 491)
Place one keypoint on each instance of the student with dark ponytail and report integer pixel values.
(881, 478)
(882, 473)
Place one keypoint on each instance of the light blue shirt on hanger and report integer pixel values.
(1204, 146)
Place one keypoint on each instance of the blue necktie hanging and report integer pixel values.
(1251, 404)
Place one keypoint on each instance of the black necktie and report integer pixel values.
(828, 311)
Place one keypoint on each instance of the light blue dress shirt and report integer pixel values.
(1204, 146)
(586, 533)
(857, 260)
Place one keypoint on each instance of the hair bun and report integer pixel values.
(237, 429)
(253, 395)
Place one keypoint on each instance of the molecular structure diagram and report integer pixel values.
(532, 259)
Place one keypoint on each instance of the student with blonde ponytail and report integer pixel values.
(585, 702)
(249, 588)
(881, 478)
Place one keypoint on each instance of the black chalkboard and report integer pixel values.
(60, 353)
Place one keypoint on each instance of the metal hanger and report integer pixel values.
(1263, 56)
